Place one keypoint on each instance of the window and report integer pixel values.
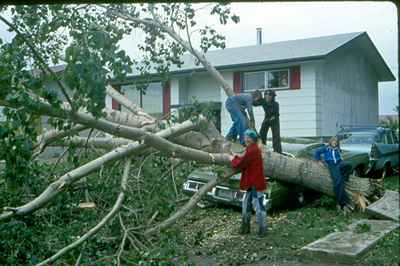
(151, 100)
(389, 139)
(2, 116)
(278, 79)
(271, 79)
(254, 81)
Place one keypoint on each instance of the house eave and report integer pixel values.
(232, 67)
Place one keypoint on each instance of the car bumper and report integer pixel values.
(219, 194)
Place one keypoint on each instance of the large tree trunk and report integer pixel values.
(301, 172)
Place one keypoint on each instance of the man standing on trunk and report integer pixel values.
(271, 120)
(237, 105)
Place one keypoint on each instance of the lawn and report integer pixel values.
(210, 235)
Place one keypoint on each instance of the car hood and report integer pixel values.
(356, 148)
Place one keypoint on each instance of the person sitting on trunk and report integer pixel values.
(271, 119)
(253, 182)
(237, 105)
(338, 169)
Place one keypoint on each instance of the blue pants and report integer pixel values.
(256, 199)
(338, 175)
(239, 121)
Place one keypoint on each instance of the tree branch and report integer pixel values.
(155, 22)
(54, 135)
(133, 108)
(67, 179)
(103, 222)
(43, 65)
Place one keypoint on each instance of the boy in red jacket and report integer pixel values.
(253, 182)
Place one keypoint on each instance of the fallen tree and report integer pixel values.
(92, 56)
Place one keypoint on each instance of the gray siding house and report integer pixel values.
(321, 83)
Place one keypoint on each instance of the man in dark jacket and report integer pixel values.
(271, 120)
(253, 182)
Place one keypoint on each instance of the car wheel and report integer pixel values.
(386, 171)
(357, 172)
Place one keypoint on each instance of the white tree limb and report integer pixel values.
(67, 179)
(124, 101)
(103, 222)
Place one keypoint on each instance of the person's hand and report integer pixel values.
(252, 125)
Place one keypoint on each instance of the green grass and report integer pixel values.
(212, 232)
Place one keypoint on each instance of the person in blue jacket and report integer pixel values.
(338, 169)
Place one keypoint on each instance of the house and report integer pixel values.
(321, 83)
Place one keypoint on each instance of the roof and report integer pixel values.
(287, 51)
(284, 52)
(292, 50)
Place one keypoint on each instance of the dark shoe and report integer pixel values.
(245, 228)
(262, 231)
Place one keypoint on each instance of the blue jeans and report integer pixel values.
(239, 121)
(339, 181)
(256, 199)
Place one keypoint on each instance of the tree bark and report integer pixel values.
(133, 108)
(67, 179)
(301, 172)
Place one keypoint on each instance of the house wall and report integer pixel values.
(297, 107)
(347, 91)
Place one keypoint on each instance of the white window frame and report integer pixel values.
(253, 72)
(266, 79)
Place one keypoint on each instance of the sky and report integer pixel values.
(282, 21)
(297, 20)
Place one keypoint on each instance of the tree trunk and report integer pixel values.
(301, 172)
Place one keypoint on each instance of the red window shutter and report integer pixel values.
(295, 77)
(166, 98)
(237, 82)
(114, 104)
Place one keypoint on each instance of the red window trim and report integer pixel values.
(295, 77)
(114, 104)
(167, 98)
(237, 82)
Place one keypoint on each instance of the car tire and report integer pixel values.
(357, 172)
(387, 171)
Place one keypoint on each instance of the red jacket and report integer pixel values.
(251, 165)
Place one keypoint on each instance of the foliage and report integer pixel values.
(211, 234)
(362, 228)
(30, 239)
(86, 38)
(193, 111)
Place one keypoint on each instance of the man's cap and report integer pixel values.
(270, 92)
(251, 134)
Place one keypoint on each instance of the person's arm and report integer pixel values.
(242, 162)
(318, 152)
(251, 114)
(275, 111)
(259, 102)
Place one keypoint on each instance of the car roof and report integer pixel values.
(365, 129)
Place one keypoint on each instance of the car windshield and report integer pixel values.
(359, 138)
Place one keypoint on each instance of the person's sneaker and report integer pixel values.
(244, 228)
(346, 210)
(262, 231)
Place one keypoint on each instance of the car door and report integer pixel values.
(388, 148)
